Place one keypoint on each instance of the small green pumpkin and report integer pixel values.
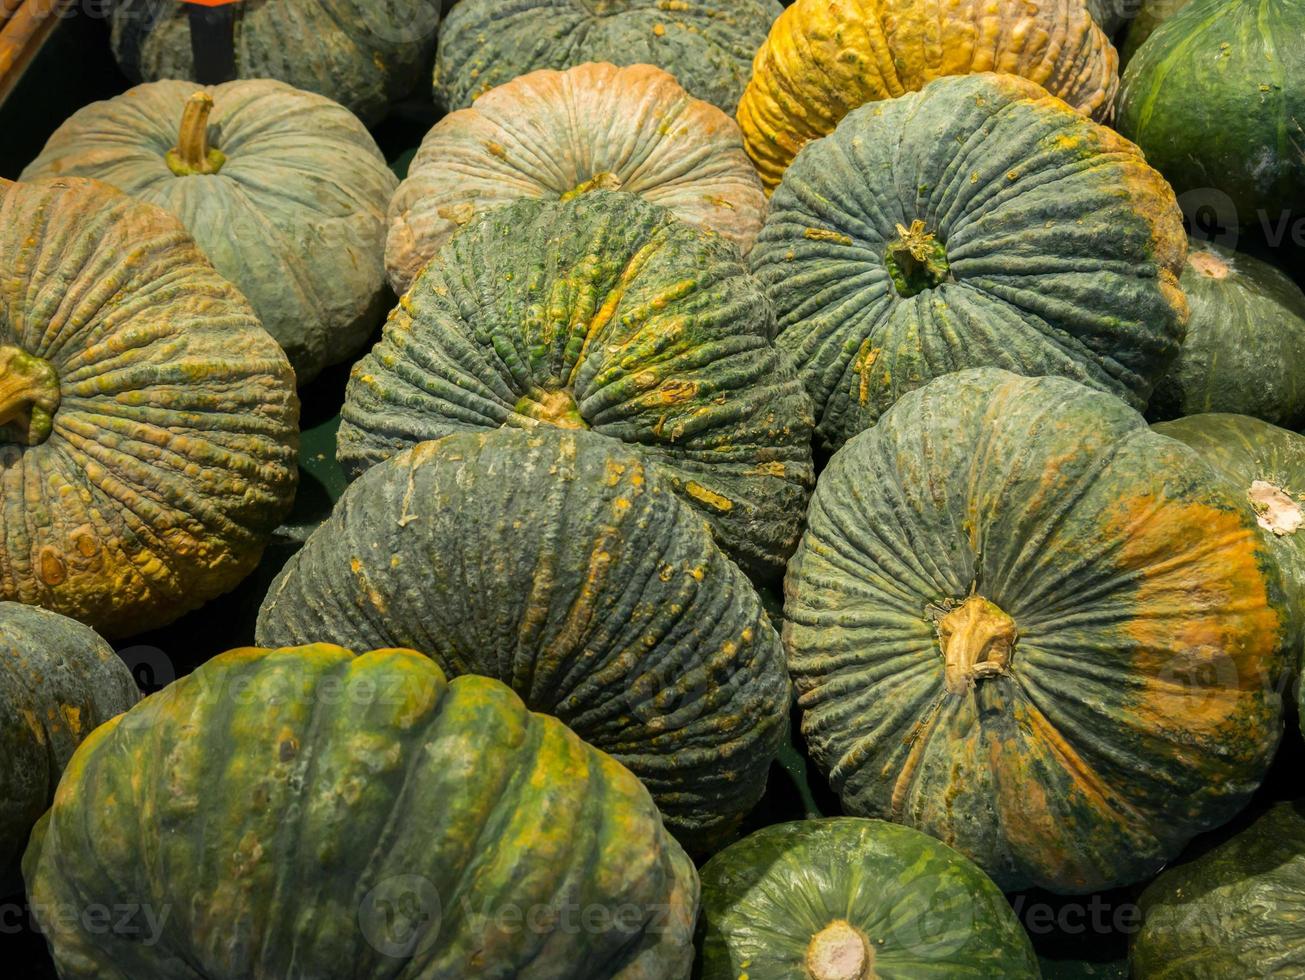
(58, 681)
(293, 811)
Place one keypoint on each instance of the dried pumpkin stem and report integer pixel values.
(977, 642)
(29, 397)
(192, 154)
(916, 260)
(605, 181)
(840, 952)
(556, 408)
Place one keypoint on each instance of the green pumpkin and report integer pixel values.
(58, 681)
(1245, 342)
(707, 45)
(560, 563)
(849, 899)
(1024, 623)
(359, 811)
(148, 424)
(364, 54)
(979, 222)
(602, 312)
(284, 191)
(1150, 15)
(1216, 99)
(1236, 911)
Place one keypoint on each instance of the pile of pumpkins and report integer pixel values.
(697, 296)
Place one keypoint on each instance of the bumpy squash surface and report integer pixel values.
(823, 58)
(337, 809)
(555, 134)
(979, 222)
(284, 191)
(1026, 624)
(605, 313)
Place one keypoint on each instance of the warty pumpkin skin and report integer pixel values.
(560, 563)
(824, 58)
(706, 44)
(364, 54)
(58, 681)
(557, 134)
(844, 897)
(979, 222)
(284, 191)
(339, 809)
(148, 424)
(604, 313)
(1025, 624)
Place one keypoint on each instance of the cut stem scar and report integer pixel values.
(192, 155)
(977, 641)
(29, 397)
(605, 181)
(557, 408)
(916, 260)
(1275, 510)
(840, 952)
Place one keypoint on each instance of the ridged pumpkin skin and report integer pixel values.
(1048, 247)
(364, 54)
(1245, 342)
(559, 563)
(605, 313)
(551, 134)
(152, 437)
(334, 809)
(1216, 99)
(1025, 624)
(707, 44)
(1237, 911)
(824, 58)
(778, 902)
(58, 681)
(294, 216)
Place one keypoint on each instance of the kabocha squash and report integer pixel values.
(979, 222)
(58, 681)
(848, 899)
(1236, 911)
(604, 313)
(147, 422)
(1025, 624)
(363, 54)
(707, 45)
(557, 134)
(823, 59)
(559, 563)
(283, 190)
(1216, 99)
(334, 809)
(1245, 342)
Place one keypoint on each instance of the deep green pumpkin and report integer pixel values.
(1026, 624)
(291, 813)
(816, 899)
(603, 312)
(1216, 99)
(1245, 342)
(560, 563)
(58, 681)
(1236, 911)
(977, 222)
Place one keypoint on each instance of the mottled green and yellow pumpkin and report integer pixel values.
(850, 899)
(824, 58)
(148, 424)
(979, 222)
(1236, 911)
(364, 54)
(560, 563)
(58, 681)
(1024, 623)
(605, 313)
(358, 811)
(558, 134)
(706, 44)
(284, 191)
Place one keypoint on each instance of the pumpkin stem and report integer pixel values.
(916, 260)
(977, 641)
(840, 952)
(605, 181)
(29, 397)
(192, 154)
(557, 408)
